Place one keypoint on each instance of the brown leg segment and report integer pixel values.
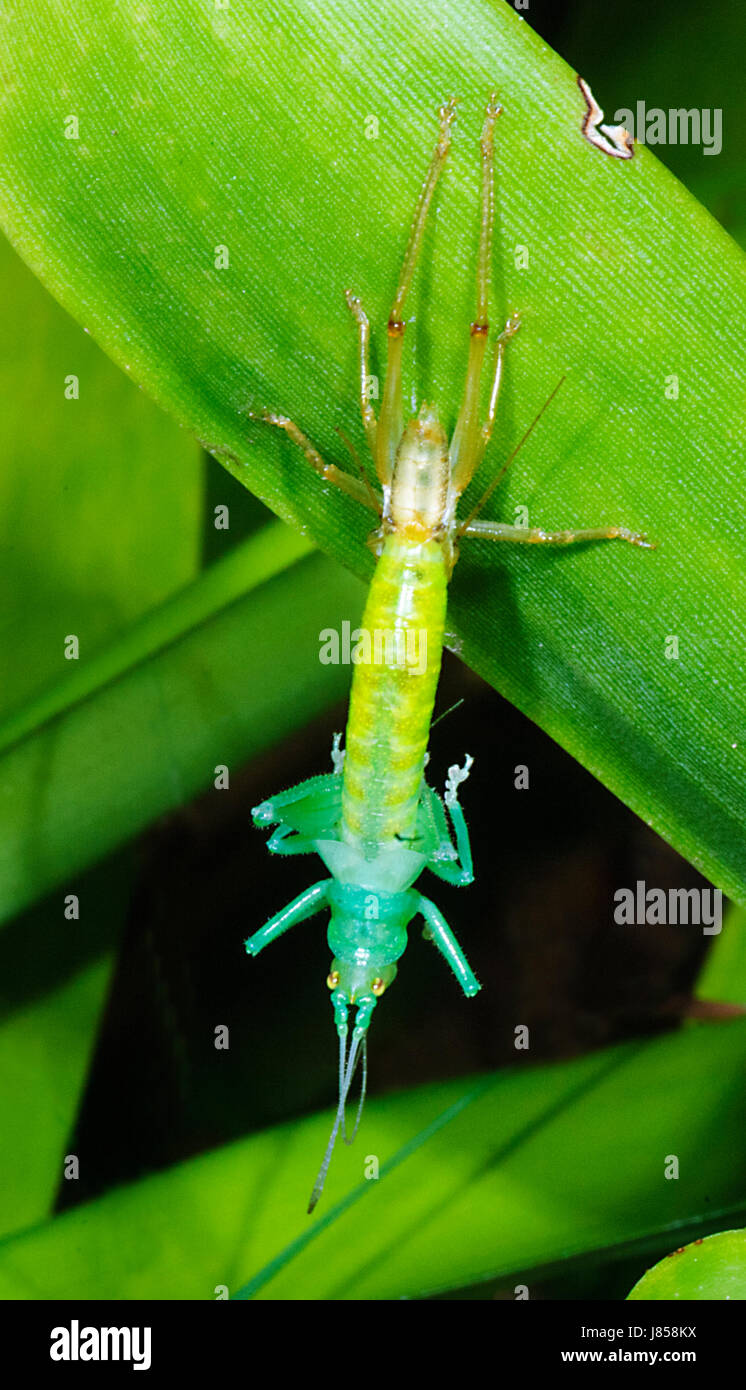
(329, 471)
(368, 413)
(525, 535)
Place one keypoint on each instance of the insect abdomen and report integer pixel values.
(393, 693)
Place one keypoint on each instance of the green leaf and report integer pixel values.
(280, 135)
(711, 1268)
(101, 517)
(723, 977)
(479, 1179)
(100, 493)
(90, 536)
(49, 1019)
(44, 1053)
(143, 726)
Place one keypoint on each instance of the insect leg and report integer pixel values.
(501, 472)
(534, 535)
(464, 444)
(305, 905)
(441, 934)
(315, 793)
(461, 872)
(472, 455)
(368, 413)
(458, 867)
(469, 438)
(328, 471)
(390, 423)
(278, 842)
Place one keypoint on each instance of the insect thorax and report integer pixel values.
(419, 487)
(393, 870)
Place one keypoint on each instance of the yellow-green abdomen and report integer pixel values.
(393, 693)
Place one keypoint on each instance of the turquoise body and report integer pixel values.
(374, 821)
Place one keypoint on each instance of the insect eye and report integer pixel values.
(332, 979)
(378, 986)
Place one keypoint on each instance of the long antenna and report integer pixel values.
(446, 712)
(501, 474)
(346, 1073)
(363, 1089)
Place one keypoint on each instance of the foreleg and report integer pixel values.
(458, 868)
(440, 932)
(328, 471)
(305, 905)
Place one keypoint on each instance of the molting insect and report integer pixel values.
(373, 820)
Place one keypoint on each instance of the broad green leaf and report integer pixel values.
(199, 683)
(102, 517)
(44, 1055)
(478, 1179)
(49, 1014)
(91, 535)
(713, 1268)
(281, 139)
(100, 494)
